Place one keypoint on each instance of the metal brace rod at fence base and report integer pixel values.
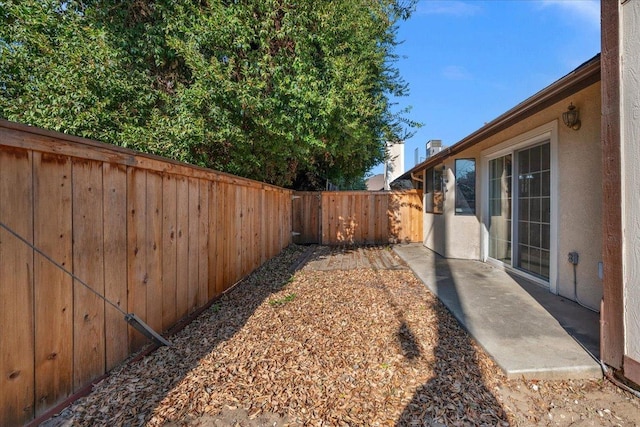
(130, 318)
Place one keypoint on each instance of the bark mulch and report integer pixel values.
(366, 346)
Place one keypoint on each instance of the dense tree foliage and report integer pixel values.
(287, 92)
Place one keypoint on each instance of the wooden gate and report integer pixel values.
(306, 214)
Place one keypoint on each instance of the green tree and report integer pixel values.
(291, 93)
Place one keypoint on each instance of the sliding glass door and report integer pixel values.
(520, 232)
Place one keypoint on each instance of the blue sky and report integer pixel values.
(467, 62)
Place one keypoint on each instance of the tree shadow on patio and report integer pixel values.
(459, 392)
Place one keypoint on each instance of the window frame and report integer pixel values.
(473, 210)
(434, 187)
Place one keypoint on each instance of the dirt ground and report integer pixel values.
(367, 346)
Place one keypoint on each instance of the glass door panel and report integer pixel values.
(500, 209)
(534, 210)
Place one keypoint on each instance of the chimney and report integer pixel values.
(434, 146)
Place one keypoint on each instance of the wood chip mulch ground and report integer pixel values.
(366, 346)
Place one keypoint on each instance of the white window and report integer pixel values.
(465, 172)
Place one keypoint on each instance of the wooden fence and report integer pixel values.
(357, 217)
(156, 237)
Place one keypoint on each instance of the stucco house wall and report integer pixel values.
(630, 159)
(580, 199)
(443, 232)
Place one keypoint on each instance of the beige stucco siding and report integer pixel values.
(435, 230)
(579, 223)
(580, 200)
(630, 146)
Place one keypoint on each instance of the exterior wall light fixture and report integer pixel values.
(571, 117)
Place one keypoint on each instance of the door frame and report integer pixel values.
(548, 131)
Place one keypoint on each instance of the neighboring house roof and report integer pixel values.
(376, 182)
(585, 75)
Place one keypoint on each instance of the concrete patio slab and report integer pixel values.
(528, 331)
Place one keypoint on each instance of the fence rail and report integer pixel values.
(156, 237)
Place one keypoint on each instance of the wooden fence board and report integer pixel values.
(286, 208)
(325, 216)
(88, 265)
(277, 214)
(192, 261)
(346, 228)
(382, 220)
(285, 227)
(298, 212)
(270, 231)
(203, 243)
(373, 220)
(321, 218)
(255, 229)
(259, 223)
(267, 223)
(237, 260)
(169, 250)
(221, 247)
(53, 288)
(247, 228)
(114, 179)
(250, 238)
(359, 220)
(230, 232)
(16, 289)
(243, 231)
(335, 222)
(227, 232)
(212, 284)
(154, 251)
(258, 228)
(137, 250)
(369, 223)
(182, 247)
(280, 224)
(393, 215)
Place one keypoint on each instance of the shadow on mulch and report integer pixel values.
(133, 394)
(458, 394)
(408, 342)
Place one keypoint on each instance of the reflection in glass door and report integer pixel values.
(500, 209)
(534, 210)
